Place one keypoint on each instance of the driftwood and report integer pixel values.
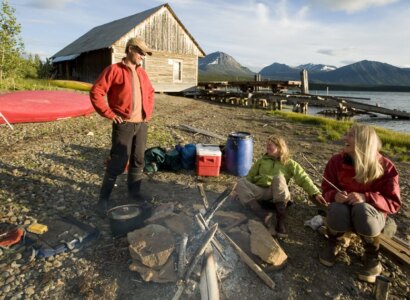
(201, 131)
(397, 250)
(218, 203)
(209, 282)
(249, 262)
(204, 227)
(203, 195)
(182, 255)
(194, 260)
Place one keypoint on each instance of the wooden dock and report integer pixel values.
(275, 100)
(275, 86)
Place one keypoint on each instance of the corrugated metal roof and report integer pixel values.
(104, 36)
(66, 57)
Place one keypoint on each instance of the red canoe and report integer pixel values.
(43, 106)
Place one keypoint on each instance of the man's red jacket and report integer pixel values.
(116, 82)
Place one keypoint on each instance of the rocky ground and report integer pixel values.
(47, 169)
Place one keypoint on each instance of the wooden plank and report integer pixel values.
(397, 250)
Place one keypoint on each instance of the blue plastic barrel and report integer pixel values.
(188, 156)
(239, 153)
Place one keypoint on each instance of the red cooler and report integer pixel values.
(208, 160)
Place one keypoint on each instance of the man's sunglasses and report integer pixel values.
(137, 50)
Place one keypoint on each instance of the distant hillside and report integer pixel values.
(363, 73)
(316, 68)
(277, 71)
(369, 73)
(221, 66)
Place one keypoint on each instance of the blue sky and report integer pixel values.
(255, 33)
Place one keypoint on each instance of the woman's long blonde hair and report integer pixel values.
(366, 151)
(284, 154)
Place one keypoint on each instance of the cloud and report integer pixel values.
(337, 52)
(351, 6)
(50, 4)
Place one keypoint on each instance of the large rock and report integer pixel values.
(264, 245)
(179, 224)
(151, 245)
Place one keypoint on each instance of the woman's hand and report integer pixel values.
(341, 197)
(319, 198)
(355, 198)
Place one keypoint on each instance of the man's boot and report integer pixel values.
(105, 192)
(134, 185)
(371, 263)
(281, 217)
(134, 190)
(329, 254)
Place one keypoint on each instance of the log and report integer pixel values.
(398, 251)
(208, 284)
(203, 195)
(249, 262)
(200, 250)
(200, 221)
(194, 261)
(182, 255)
(218, 203)
(201, 131)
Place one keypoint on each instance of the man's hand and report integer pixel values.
(117, 120)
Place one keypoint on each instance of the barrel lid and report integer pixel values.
(124, 212)
(240, 134)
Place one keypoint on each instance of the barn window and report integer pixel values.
(177, 70)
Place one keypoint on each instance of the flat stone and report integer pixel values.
(165, 274)
(264, 245)
(228, 218)
(179, 224)
(151, 245)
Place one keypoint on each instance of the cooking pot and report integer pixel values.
(125, 218)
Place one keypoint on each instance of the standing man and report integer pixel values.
(130, 98)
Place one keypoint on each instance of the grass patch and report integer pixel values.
(330, 129)
(161, 137)
(20, 84)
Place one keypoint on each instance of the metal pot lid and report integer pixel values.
(124, 212)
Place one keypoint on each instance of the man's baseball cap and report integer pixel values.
(137, 42)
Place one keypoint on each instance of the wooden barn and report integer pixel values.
(173, 66)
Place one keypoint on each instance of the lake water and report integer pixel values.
(392, 100)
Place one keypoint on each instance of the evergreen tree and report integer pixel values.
(11, 44)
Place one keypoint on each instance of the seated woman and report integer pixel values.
(268, 180)
(362, 187)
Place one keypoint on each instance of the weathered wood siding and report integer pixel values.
(169, 41)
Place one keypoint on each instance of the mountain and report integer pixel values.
(363, 73)
(367, 73)
(316, 68)
(277, 71)
(221, 66)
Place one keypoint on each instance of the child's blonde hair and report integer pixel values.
(366, 150)
(282, 148)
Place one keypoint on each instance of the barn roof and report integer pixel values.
(104, 36)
